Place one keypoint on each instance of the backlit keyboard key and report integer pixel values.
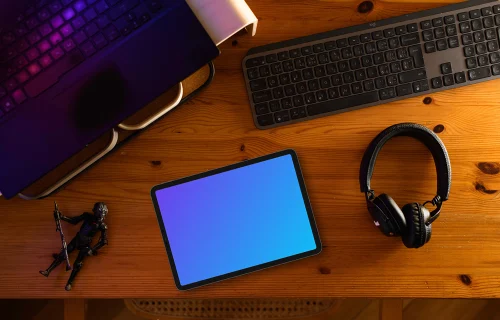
(91, 29)
(22, 76)
(55, 6)
(79, 37)
(44, 46)
(34, 68)
(102, 21)
(57, 53)
(10, 84)
(32, 54)
(6, 104)
(101, 6)
(68, 14)
(55, 38)
(20, 62)
(56, 22)
(45, 29)
(68, 45)
(80, 5)
(111, 33)
(66, 30)
(99, 41)
(90, 14)
(33, 37)
(45, 61)
(19, 96)
(43, 14)
(78, 23)
(32, 22)
(88, 48)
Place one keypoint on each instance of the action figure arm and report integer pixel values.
(103, 240)
(75, 220)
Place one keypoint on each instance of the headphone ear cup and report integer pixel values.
(417, 232)
(394, 218)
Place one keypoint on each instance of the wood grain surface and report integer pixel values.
(216, 129)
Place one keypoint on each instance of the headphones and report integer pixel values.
(413, 221)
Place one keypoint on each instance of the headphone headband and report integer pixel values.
(424, 135)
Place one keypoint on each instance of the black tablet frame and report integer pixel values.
(235, 166)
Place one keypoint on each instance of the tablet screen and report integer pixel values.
(235, 220)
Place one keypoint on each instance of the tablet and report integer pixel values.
(235, 220)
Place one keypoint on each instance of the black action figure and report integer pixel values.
(92, 223)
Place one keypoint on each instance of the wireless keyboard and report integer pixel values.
(374, 63)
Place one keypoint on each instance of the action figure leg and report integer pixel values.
(77, 266)
(59, 258)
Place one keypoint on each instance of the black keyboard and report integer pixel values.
(375, 63)
(53, 37)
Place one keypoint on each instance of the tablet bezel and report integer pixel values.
(235, 166)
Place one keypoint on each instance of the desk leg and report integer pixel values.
(74, 309)
(391, 309)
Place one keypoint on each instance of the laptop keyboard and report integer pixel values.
(53, 37)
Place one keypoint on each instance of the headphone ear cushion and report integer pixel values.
(417, 233)
(392, 211)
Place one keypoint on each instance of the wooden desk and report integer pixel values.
(216, 129)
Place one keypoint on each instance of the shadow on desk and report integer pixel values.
(342, 309)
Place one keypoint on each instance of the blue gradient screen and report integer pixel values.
(235, 220)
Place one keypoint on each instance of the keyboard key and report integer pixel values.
(68, 45)
(88, 49)
(262, 96)
(420, 86)
(371, 72)
(446, 68)
(45, 29)
(22, 76)
(369, 48)
(476, 25)
(270, 58)
(57, 53)
(323, 58)
(490, 34)
(474, 14)
(418, 58)
(410, 39)
(261, 108)
(18, 96)
(101, 6)
(407, 64)
(439, 33)
(306, 50)
(44, 46)
(426, 24)
(78, 23)
(400, 30)
(448, 80)
(43, 14)
(469, 51)
(413, 27)
(451, 30)
(34, 68)
(366, 37)
(479, 73)
(437, 82)
(465, 27)
(90, 14)
(45, 61)
(463, 16)
(386, 94)
(21, 30)
(358, 51)
(20, 62)
(394, 43)
(283, 55)
(79, 37)
(336, 80)
(388, 33)
(441, 44)
(278, 93)
(55, 7)
(92, 29)
(254, 62)
(481, 48)
(79, 5)
(68, 14)
(264, 71)
(460, 77)
(347, 53)
(102, 21)
(32, 54)
(265, 120)
(33, 38)
(345, 90)
(467, 39)
(411, 76)
(471, 63)
(395, 67)
(493, 46)
(437, 22)
(377, 35)
(404, 90)
(402, 53)
(383, 45)
(111, 33)
(494, 57)
(282, 116)
(56, 22)
(55, 38)
(333, 93)
(453, 42)
(100, 41)
(427, 35)
(341, 43)
(496, 9)
(298, 113)
(369, 85)
(380, 83)
(294, 53)
(495, 69)
(66, 30)
(318, 48)
(486, 11)
(483, 60)
(488, 22)
(6, 104)
(32, 22)
(449, 20)
(286, 103)
(321, 95)
(378, 58)
(274, 105)
(343, 103)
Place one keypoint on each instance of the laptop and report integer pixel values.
(70, 70)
